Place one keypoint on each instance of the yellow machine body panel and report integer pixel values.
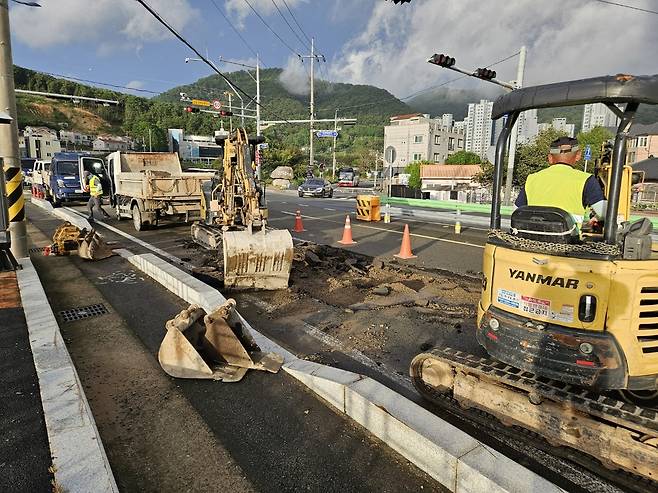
(546, 290)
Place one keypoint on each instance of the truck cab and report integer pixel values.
(65, 183)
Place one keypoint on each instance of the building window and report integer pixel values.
(47, 143)
(417, 156)
(631, 157)
(418, 139)
(437, 140)
(437, 158)
(451, 144)
(642, 142)
(460, 143)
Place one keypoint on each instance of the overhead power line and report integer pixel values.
(77, 79)
(173, 31)
(628, 6)
(295, 19)
(235, 29)
(304, 45)
(272, 30)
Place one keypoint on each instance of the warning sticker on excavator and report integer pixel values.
(535, 306)
(564, 315)
(509, 298)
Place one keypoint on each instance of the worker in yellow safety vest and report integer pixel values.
(95, 189)
(562, 185)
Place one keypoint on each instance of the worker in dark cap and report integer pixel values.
(562, 185)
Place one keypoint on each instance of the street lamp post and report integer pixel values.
(333, 163)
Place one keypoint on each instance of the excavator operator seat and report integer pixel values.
(547, 224)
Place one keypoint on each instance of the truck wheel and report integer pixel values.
(137, 218)
(55, 201)
(117, 213)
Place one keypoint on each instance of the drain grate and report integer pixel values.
(83, 312)
(37, 249)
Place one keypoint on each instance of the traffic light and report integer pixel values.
(225, 113)
(442, 60)
(190, 109)
(485, 74)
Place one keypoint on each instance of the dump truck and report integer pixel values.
(149, 186)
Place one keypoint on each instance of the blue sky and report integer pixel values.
(365, 41)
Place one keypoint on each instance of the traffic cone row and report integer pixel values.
(347, 240)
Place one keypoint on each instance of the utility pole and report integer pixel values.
(257, 97)
(9, 142)
(333, 164)
(311, 155)
(507, 198)
(150, 145)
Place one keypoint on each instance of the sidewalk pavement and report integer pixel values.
(24, 450)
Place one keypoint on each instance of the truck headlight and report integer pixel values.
(60, 183)
(318, 189)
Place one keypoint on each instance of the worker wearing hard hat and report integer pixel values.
(95, 188)
(561, 185)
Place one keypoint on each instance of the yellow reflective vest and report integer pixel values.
(559, 185)
(95, 186)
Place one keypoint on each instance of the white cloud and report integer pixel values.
(565, 40)
(106, 24)
(240, 10)
(295, 78)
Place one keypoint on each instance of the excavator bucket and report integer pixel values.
(93, 247)
(260, 260)
(213, 346)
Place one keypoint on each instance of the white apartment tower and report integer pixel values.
(598, 115)
(527, 127)
(479, 127)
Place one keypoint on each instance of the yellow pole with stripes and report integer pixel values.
(9, 142)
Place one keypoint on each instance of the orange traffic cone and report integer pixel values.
(299, 227)
(405, 248)
(347, 233)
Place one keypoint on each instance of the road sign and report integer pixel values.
(217, 104)
(326, 133)
(200, 102)
(390, 154)
(588, 152)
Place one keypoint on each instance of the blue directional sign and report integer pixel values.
(588, 152)
(327, 133)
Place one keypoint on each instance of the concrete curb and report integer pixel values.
(63, 214)
(452, 457)
(75, 444)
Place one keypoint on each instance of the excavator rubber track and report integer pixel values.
(618, 434)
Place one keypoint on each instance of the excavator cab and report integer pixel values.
(569, 320)
(234, 213)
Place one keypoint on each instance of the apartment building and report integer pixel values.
(598, 115)
(643, 143)
(559, 124)
(41, 143)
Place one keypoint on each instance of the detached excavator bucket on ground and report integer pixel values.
(260, 260)
(214, 346)
(68, 238)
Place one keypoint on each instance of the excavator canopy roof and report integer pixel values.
(615, 89)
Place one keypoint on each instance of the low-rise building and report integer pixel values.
(417, 137)
(195, 148)
(75, 139)
(643, 143)
(41, 143)
(450, 182)
(111, 144)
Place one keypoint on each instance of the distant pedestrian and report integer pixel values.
(95, 188)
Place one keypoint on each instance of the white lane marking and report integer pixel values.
(283, 202)
(329, 209)
(356, 224)
(303, 205)
(146, 245)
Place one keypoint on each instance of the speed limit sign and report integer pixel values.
(217, 104)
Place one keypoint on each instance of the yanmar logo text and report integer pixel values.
(560, 282)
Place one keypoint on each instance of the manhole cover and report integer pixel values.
(82, 312)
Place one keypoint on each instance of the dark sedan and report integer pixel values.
(315, 187)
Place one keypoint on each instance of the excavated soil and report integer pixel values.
(378, 306)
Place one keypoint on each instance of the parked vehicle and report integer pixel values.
(348, 177)
(27, 165)
(62, 180)
(315, 187)
(149, 186)
(40, 174)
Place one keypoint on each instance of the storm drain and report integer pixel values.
(83, 312)
(37, 249)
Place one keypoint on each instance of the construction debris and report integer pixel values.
(68, 239)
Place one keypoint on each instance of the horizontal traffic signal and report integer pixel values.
(190, 109)
(485, 74)
(442, 60)
(225, 113)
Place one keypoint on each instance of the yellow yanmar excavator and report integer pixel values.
(235, 214)
(568, 318)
